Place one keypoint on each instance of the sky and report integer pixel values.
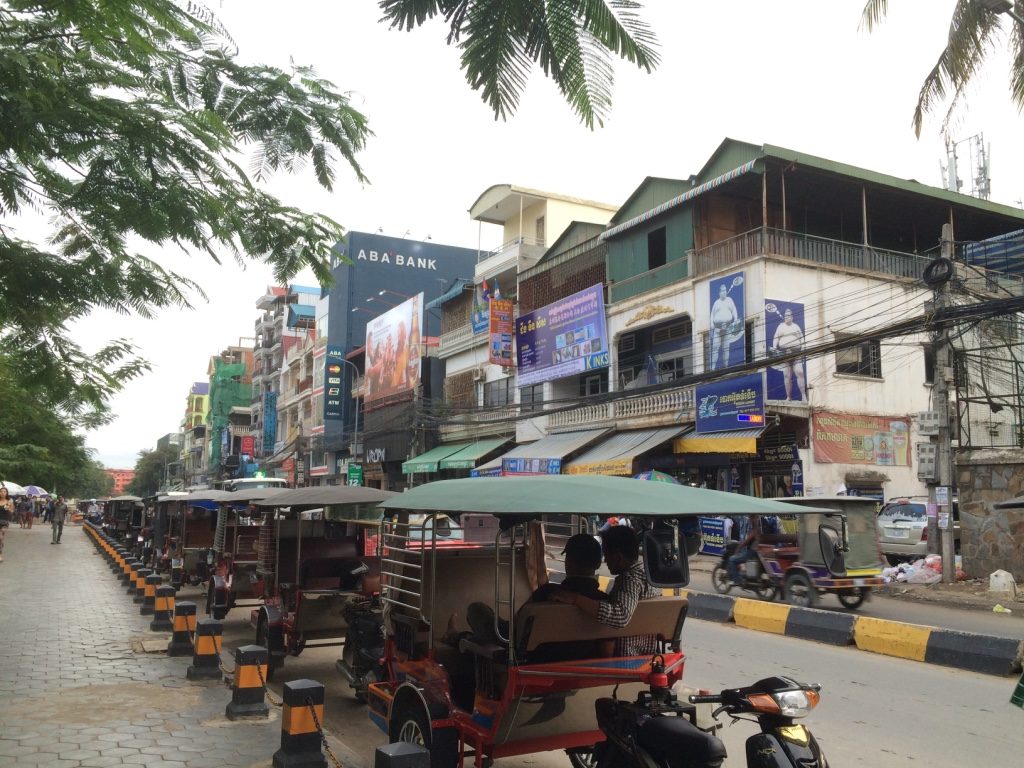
(799, 74)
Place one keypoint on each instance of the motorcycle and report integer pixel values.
(360, 662)
(754, 577)
(658, 731)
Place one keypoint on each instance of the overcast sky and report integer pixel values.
(794, 73)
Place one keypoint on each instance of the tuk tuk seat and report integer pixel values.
(542, 624)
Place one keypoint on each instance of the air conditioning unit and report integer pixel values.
(479, 374)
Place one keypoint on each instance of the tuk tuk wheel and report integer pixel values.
(720, 580)
(263, 639)
(766, 591)
(411, 725)
(582, 757)
(218, 612)
(799, 590)
(853, 598)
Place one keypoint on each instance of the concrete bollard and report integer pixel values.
(1017, 697)
(300, 736)
(401, 754)
(149, 596)
(163, 610)
(126, 570)
(206, 657)
(132, 580)
(183, 628)
(247, 696)
(140, 584)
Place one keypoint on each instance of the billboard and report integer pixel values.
(502, 331)
(564, 338)
(394, 350)
(728, 338)
(850, 438)
(736, 403)
(269, 421)
(333, 382)
(784, 334)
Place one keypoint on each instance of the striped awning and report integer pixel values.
(737, 441)
(468, 457)
(615, 454)
(429, 461)
(678, 200)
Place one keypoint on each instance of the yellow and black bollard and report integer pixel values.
(247, 690)
(184, 627)
(126, 570)
(163, 609)
(140, 584)
(206, 657)
(149, 596)
(130, 583)
(301, 716)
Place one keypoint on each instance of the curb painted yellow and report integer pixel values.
(891, 638)
(759, 615)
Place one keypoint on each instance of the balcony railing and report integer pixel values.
(677, 403)
(480, 424)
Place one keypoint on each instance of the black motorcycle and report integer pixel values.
(360, 662)
(659, 731)
(754, 578)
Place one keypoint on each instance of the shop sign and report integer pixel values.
(249, 445)
(736, 403)
(562, 339)
(333, 374)
(850, 438)
(490, 472)
(355, 474)
(783, 453)
(712, 535)
(376, 455)
(531, 466)
(502, 330)
(269, 420)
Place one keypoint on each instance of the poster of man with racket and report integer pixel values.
(784, 335)
(727, 330)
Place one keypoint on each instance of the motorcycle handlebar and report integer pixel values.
(715, 698)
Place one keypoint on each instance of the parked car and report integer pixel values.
(903, 528)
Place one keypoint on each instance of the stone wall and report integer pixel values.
(991, 538)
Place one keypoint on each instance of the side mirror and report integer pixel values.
(442, 527)
(831, 543)
(665, 557)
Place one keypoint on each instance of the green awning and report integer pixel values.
(472, 453)
(428, 462)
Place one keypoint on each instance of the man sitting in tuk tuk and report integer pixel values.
(621, 547)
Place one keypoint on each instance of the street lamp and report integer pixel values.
(363, 309)
(385, 303)
(1001, 6)
(394, 293)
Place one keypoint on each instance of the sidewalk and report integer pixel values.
(73, 691)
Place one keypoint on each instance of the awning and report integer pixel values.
(736, 441)
(544, 457)
(615, 454)
(428, 462)
(472, 453)
(456, 289)
(679, 200)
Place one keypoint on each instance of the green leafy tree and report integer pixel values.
(151, 470)
(975, 29)
(124, 123)
(572, 41)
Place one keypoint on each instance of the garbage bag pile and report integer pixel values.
(927, 570)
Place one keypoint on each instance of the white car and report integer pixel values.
(903, 528)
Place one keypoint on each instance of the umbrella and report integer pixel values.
(13, 489)
(35, 490)
(656, 476)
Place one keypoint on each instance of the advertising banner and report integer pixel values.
(333, 382)
(784, 334)
(269, 421)
(849, 438)
(394, 350)
(728, 339)
(531, 466)
(712, 535)
(248, 446)
(502, 330)
(564, 338)
(736, 403)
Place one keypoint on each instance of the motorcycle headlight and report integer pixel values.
(796, 703)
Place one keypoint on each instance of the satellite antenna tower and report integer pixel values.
(979, 154)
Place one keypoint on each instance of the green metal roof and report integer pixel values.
(428, 462)
(472, 453)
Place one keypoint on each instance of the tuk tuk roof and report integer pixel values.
(326, 495)
(581, 494)
(125, 498)
(208, 494)
(249, 494)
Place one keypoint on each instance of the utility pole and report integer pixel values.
(940, 494)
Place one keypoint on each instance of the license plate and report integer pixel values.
(177, 562)
(897, 533)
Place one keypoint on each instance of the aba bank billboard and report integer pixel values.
(333, 382)
(562, 339)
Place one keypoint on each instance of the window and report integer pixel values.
(540, 231)
(500, 392)
(863, 359)
(531, 398)
(657, 253)
(593, 383)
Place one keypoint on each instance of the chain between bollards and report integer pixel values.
(323, 737)
(266, 691)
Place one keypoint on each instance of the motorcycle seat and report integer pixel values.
(678, 743)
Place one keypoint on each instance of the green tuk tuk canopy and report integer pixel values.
(581, 494)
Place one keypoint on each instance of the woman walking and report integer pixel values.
(6, 513)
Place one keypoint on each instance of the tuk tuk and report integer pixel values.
(460, 697)
(188, 523)
(124, 518)
(319, 555)
(235, 551)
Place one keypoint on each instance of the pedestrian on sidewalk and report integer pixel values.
(25, 512)
(57, 517)
(6, 513)
(47, 509)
